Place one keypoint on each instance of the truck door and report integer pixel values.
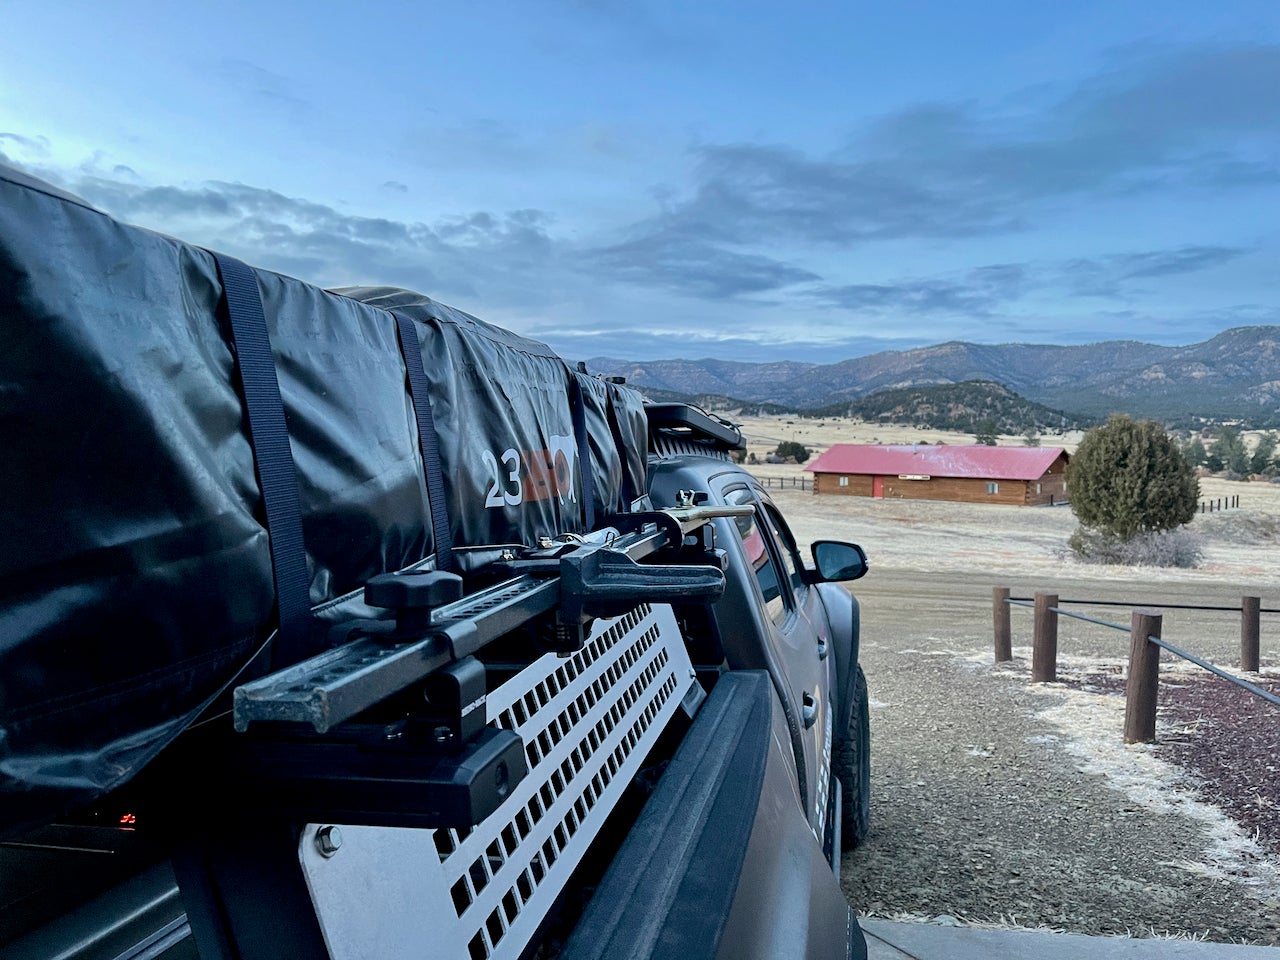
(797, 632)
(807, 636)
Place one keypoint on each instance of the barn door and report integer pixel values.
(877, 487)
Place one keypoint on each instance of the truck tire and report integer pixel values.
(853, 766)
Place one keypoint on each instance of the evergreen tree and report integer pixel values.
(1261, 459)
(1129, 477)
(790, 448)
(984, 432)
(1195, 452)
(1228, 452)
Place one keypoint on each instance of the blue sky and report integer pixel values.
(642, 180)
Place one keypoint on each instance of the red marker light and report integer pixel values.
(128, 820)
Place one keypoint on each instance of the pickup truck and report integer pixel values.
(643, 737)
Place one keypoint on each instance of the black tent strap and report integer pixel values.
(273, 458)
(628, 494)
(579, 408)
(428, 444)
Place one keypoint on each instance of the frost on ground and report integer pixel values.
(1091, 727)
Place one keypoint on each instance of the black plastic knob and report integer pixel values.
(413, 591)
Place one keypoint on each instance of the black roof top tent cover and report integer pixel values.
(136, 579)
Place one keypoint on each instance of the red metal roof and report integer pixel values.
(978, 461)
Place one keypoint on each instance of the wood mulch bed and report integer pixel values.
(1232, 746)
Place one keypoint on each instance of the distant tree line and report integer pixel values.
(1227, 453)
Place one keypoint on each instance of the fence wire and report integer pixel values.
(1253, 688)
(1162, 606)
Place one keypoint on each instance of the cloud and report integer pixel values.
(984, 291)
(262, 85)
(1164, 263)
(16, 149)
(1205, 117)
(745, 192)
(914, 296)
(1106, 276)
(696, 268)
(977, 294)
(501, 254)
(633, 344)
(1152, 119)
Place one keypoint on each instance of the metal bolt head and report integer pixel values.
(328, 841)
(442, 734)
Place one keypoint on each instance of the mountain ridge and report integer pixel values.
(1234, 375)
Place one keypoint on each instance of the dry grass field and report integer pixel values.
(1242, 547)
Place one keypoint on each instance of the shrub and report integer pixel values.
(984, 432)
(790, 448)
(1153, 548)
(1129, 477)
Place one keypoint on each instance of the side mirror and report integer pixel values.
(837, 560)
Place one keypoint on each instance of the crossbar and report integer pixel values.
(1089, 619)
(1130, 603)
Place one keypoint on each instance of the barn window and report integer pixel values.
(993, 487)
(844, 481)
(1037, 488)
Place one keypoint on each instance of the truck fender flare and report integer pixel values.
(845, 617)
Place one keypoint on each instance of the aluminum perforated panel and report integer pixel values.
(587, 722)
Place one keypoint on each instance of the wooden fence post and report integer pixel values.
(1144, 678)
(1249, 609)
(1000, 614)
(1044, 646)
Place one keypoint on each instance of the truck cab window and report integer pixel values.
(753, 539)
(786, 548)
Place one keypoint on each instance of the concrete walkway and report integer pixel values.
(887, 940)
